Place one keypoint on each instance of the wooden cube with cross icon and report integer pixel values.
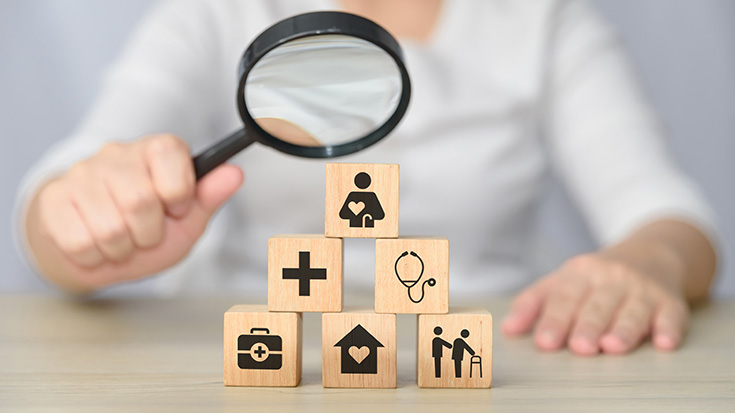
(412, 275)
(359, 349)
(261, 348)
(361, 200)
(455, 349)
(305, 273)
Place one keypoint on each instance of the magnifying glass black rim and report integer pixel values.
(314, 24)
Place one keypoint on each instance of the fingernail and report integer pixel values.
(547, 338)
(583, 344)
(665, 342)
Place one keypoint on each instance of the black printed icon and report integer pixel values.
(362, 208)
(258, 351)
(437, 351)
(304, 273)
(411, 282)
(359, 352)
(458, 347)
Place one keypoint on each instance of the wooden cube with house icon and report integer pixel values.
(359, 349)
(361, 200)
(261, 348)
(412, 275)
(455, 349)
(305, 273)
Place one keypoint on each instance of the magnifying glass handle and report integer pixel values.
(220, 152)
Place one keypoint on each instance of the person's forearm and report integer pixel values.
(668, 249)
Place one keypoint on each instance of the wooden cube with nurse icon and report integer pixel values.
(455, 349)
(361, 200)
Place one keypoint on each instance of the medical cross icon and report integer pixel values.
(259, 352)
(304, 273)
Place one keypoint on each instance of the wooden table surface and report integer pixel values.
(166, 355)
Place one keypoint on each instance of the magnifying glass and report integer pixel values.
(316, 85)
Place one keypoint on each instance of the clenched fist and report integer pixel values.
(131, 210)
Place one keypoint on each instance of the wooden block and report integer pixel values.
(362, 200)
(359, 349)
(412, 275)
(305, 273)
(455, 349)
(262, 348)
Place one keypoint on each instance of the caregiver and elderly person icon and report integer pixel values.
(362, 208)
(458, 349)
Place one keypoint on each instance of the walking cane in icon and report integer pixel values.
(476, 360)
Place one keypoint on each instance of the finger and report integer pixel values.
(669, 324)
(212, 192)
(137, 200)
(172, 172)
(558, 313)
(67, 230)
(103, 220)
(526, 307)
(630, 327)
(593, 318)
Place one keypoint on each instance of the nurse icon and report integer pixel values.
(362, 208)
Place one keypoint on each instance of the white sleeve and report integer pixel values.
(166, 80)
(606, 146)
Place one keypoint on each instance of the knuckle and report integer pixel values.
(50, 194)
(584, 263)
(175, 194)
(78, 245)
(80, 170)
(167, 143)
(113, 232)
(138, 202)
(112, 149)
(619, 272)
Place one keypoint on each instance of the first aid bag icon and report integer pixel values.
(259, 351)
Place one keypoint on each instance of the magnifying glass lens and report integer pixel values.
(323, 90)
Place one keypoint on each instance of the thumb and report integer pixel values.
(217, 187)
(212, 191)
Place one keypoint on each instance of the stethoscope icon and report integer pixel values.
(410, 284)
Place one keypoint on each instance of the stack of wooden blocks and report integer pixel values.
(262, 346)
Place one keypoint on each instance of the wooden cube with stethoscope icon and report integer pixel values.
(412, 275)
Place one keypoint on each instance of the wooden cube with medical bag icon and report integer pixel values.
(412, 275)
(361, 200)
(261, 348)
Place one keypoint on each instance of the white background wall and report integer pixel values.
(53, 53)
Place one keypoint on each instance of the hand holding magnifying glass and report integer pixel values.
(317, 85)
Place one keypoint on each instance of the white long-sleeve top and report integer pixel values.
(504, 94)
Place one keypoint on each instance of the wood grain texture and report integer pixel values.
(165, 355)
(242, 367)
(392, 295)
(346, 360)
(285, 252)
(344, 196)
(468, 363)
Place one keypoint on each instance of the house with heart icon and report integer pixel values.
(359, 352)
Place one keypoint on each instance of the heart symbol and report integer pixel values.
(356, 207)
(359, 353)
